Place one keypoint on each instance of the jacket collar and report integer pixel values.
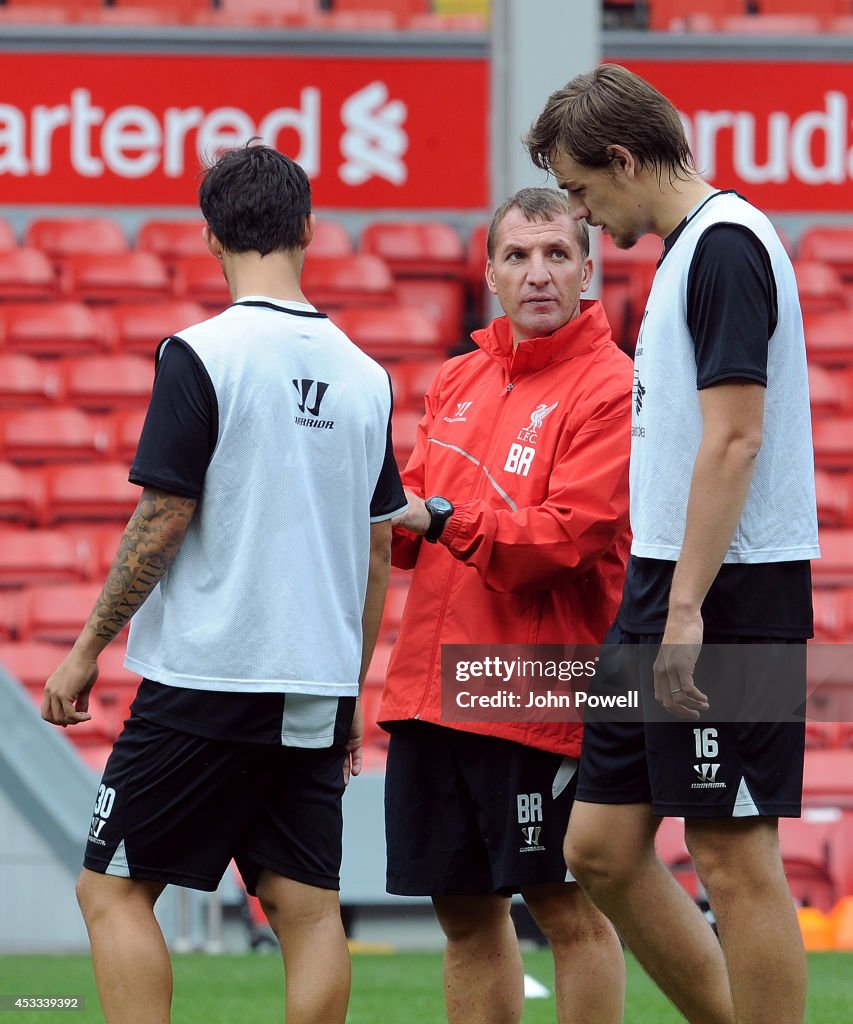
(588, 330)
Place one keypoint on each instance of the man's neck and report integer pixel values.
(277, 275)
(676, 200)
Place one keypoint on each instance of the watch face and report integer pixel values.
(441, 506)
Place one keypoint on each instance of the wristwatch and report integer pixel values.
(440, 510)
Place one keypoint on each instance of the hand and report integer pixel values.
(416, 519)
(674, 665)
(66, 693)
(352, 761)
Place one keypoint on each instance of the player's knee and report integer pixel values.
(472, 920)
(593, 861)
(569, 918)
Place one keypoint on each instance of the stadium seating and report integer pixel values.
(677, 15)
(19, 498)
(118, 277)
(834, 498)
(821, 288)
(332, 282)
(199, 279)
(428, 261)
(833, 442)
(830, 391)
(829, 337)
(828, 779)
(7, 236)
(172, 239)
(52, 328)
(330, 239)
(91, 492)
(125, 428)
(37, 556)
(105, 383)
(829, 244)
(25, 381)
(57, 434)
(56, 613)
(771, 24)
(391, 332)
(835, 566)
(61, 237)
(138, 328)
(26, 274)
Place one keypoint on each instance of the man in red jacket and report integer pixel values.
(517, 532)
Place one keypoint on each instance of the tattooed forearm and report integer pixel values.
(150, 542)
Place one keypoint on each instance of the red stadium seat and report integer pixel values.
(352, 21)
(829, 244)
(330, 239)
(447, 23)
(820, 287)
(475, 268)
(829, 391)
(91, 492)
(834, 498)
(26, 274)
(140, 327)
(53, 329)
(835, 566)
(416, 248)
(821, 735)
(833, 442)
(830, 676)
(442, 300)
(404, 428)
(126, 428)
(19, 496)
(21, 13)
(675, 15)
(119, 277)
(331, 282)
(771, 24)
(25, 381)
(172, 239)
(390, 332)
(805, 846)
(59, 237)
(60, 434)
(97, 541)
(410, 379)
(200, 279)
(259, 12)
(828, 778)
(107, 382)
(7, 236)
(37, 556)
(57, 613)
(829, 337)
(831, 606)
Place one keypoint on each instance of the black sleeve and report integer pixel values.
(388, 495)
(181, 426)
(731, 305)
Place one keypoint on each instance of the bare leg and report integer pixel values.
(739, 863)
(307, 922)
(589, 968)
(129, 953)
(483, 973)
(610, 850)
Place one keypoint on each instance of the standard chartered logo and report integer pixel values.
(374, 141)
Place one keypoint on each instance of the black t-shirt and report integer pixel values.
(731, 312)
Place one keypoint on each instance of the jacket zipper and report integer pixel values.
(436, 646)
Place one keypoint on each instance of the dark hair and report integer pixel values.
(536, 204)
(606, 107)
(255, 199)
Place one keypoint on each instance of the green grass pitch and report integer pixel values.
(401, 988)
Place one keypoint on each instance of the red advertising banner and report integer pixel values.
(778, 132)
(132, 129)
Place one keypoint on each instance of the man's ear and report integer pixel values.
(308, 233)
(586, 274)
(623, 161)
(214, 246)
(490, 277)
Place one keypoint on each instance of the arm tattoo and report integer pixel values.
(149, 543)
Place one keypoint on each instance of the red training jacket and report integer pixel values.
(532, 449)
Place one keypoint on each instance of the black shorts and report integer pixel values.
(749, 763)
(177, 808)
(467, 814)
